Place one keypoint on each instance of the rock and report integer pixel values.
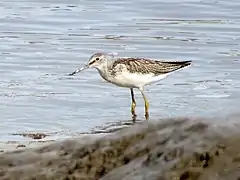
(174, 149)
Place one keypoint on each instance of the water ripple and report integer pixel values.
(43, 41)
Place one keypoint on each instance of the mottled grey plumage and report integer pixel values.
(145, 66)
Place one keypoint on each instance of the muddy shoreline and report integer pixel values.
(172, 149)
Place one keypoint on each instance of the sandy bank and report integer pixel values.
(173, 149)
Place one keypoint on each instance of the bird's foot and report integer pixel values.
(134, 117)
(147, 116)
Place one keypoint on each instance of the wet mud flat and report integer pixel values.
(171, 149)
(33, 139)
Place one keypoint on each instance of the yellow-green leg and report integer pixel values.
(146, 104)
(133, 105)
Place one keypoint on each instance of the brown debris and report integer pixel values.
(31, 135)
(21, 145)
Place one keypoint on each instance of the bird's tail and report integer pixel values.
(170, 66)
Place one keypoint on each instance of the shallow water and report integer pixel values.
(43, 41)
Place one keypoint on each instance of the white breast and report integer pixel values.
(136, 80)
(124, 78)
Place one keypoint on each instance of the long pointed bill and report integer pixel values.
(78, 70)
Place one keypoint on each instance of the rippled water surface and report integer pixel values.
(42, 41)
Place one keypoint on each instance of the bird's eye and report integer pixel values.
(97, 59)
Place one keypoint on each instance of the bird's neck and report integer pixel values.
(105, 71)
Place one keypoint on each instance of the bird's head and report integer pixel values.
(97, 60)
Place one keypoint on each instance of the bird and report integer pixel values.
(132, 73)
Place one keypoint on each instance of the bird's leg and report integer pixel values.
(133, 105)
(146, 104)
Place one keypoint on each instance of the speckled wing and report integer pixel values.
(144, 66)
